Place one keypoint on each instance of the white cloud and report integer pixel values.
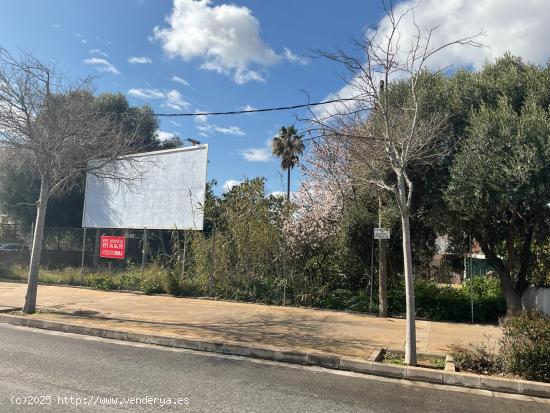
(98, 52)
(226, 38)
(278, 194)
(164, 136)
(248, 107)
(174, 100)
(206, 128)
(201, 119)
(146, 93)
(261, 154)
(508, 25)
(330, 109)
(256, 154)
(180, 80)
(83, 41)
(229, 184)
(231, 130)
(140, 60)
(294, 58)
(103, 65)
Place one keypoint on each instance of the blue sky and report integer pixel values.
(73, 32)
(216, 55)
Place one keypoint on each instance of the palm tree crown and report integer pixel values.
(288, 146)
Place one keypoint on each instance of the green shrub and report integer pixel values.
(100, 281)
(131, 279)
(191, 287)
(524, 349)
(482, 287)
(440, 303)
(452, 304)
(171, 283)
(9, 273)
(480, 359)
(347, 300)
(525, 345)
(153, 280)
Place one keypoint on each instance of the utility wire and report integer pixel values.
(239, 112)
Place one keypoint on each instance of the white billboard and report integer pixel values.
(159, 190)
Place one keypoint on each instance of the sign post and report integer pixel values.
(379, 234)
(112, 247)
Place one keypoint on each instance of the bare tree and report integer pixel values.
(56, 123)
(385, 124)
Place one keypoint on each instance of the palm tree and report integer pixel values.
(288, 146)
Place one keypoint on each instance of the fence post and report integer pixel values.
(144, 251)
(83, 253)
(96, 247)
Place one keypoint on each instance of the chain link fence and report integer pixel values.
(76, 247)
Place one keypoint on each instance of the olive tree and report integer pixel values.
(499, 189)
(56, 123)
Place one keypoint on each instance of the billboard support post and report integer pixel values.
(83, 253)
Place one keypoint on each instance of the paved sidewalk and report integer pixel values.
(274, 327)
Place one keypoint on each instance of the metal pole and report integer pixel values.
(371, 271)
(382, 269)
(144, 250)
(83, 253)
(213, 261)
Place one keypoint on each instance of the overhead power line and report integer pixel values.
(244, 111)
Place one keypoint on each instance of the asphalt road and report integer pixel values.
(49, 368)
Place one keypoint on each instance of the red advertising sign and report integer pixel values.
(112, 247)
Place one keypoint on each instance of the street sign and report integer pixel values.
(381, 233)
(112, 247)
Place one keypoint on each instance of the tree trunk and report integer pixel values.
(410, 341)
(513, 301)
(382, 270)
(512, 295)
(36, 253)
(288, 186)
(410, 345)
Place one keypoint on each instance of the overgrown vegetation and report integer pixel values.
(454, 304)
(525, 346)
(434, 302)
(318, 250)
(523, 351)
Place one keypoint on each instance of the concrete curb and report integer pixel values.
(371, 366)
